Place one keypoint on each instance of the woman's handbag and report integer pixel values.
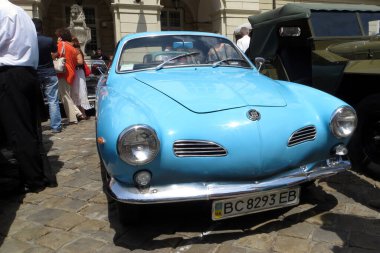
(87, 70)
(60, 62)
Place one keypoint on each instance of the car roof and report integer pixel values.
(294, 11)
(162, 33)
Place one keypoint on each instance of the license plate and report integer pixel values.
(227, 208)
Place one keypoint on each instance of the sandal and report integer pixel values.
(82, 117)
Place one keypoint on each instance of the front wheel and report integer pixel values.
(128, 214)
(364, 148)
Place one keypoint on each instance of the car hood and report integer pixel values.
(203, 90)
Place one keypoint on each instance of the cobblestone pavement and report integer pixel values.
(340, 214)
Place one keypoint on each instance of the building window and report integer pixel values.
(89, 13)
(171, 19)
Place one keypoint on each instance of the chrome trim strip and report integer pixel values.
(201, 148)
(219, 190)
(307, 133)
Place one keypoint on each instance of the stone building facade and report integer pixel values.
(110, 20)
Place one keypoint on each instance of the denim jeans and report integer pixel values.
(49, 84)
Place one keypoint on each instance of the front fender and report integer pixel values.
(117, 112)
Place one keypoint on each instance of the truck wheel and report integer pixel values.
(128, 213)
(364, 148)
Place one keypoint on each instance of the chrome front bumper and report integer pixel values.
(220, 190)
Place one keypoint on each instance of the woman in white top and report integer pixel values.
(79, 88)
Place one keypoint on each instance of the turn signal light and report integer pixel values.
(100, 140)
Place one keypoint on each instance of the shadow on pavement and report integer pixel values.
(359, 234)
(9, 204)
(9, 183)
(352, 185)
(178, 225)
(364, 233)
(10, 196)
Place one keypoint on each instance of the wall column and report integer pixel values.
(33, 8)
(131, 17)
(226, 21)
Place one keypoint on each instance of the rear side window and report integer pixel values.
(334, 23)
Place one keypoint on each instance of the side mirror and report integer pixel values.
(259, 62)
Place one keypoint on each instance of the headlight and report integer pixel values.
(343, 122)
(138, 145)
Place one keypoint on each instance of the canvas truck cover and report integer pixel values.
(264, 42)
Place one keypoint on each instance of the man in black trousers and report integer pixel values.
(19, 94)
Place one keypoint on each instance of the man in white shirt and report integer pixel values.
(19, 93)
(243, 43)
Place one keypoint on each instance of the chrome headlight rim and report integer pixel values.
(335, 114)
(136, 128)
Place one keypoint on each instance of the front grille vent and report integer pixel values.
(191, 148)
(301, 135)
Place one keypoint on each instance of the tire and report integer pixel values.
(364, 147)
(308, 185)
(128, 214)
(103, 173)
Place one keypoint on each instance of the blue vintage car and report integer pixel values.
(185, 116)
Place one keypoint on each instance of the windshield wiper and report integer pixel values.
(175, 57)
(226, 60)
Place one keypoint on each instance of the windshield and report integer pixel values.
(178, 50)
(338, 23)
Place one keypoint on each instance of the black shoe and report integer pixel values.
(32, 188)
(51, 183)
(56, 131)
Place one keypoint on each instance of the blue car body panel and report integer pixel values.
(211, 103)
(255, 148)
(214, 89)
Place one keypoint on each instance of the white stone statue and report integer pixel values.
(78, 27)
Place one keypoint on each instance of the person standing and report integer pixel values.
(47, 75)
(19, 93)
(66, 79)
(243, 43)
(99, 55)
(79, 87)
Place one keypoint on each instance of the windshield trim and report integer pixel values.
(182, 66)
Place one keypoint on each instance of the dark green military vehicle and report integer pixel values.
(334, 48)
